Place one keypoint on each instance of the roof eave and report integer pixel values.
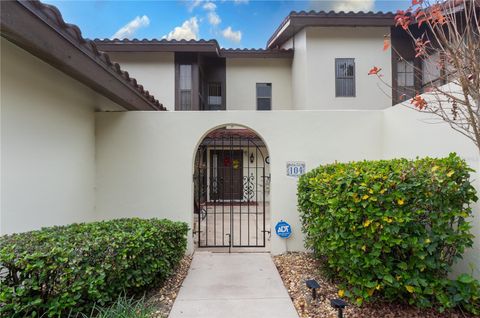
(155, 46)
(276, 54)
(197, 46)
(296, 22)
(30, 26)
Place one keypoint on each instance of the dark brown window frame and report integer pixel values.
(187, 59)
(402, 89)
(352, 77)
(264, 97)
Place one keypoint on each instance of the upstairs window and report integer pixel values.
(214, 96)
(264, 96)
(405, 79)
(431, 70)
(345, 77)
(185, 86)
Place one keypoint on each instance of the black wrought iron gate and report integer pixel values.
(231, 184)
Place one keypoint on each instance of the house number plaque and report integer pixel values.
(295, 168)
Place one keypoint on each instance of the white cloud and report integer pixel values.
(187, 31)
(210, 6)
(234, 36)
(212, 15)
(129, 29)
(354, 5)
(240, 1)
(213, 18)
(193, 4)
(342, 5)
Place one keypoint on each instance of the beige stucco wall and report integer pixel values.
(299, 70)
(313, 71)
(154, 70)
(47, 144)
(145, 160)
(244, 73)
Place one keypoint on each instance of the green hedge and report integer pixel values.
(392, 228)
(60, 269)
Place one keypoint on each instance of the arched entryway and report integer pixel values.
(232, 190)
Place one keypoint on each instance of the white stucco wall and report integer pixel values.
(243, 74)
(47, 144)
(145, 160)
(154, 70)
(299, 70)
(313, 71)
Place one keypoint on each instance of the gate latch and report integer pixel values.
(229, 242)
(269, 234)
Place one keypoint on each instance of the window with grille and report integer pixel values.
(405, 79)
(264, 96)
(345, 77)
(185, 86)
(215, 96)
(431, 70)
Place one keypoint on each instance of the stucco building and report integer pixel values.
(190, 131)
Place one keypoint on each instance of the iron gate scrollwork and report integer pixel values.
(231, 184)
(249, 187)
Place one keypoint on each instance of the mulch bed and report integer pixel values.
(162, 298)
(296, 268)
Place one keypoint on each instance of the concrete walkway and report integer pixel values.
(233, 285)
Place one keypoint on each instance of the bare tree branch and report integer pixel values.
(447, 34)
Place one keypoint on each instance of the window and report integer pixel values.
(264, 96)
(405, 80)
(214, 96)
(431, 68)
(185, 83)
(345, 77)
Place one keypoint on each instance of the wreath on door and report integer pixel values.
(236, 164)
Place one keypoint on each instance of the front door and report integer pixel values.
(226, 175)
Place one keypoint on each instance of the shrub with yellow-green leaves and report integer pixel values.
(392, 229)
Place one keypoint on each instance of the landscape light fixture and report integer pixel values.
(313, 285)
(338, 304)
(252, 158)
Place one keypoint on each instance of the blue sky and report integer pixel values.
(234, 23)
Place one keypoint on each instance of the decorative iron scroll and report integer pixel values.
(231, 189)
(203, 212)
(214, 186)
(248, 187)
(267, 183)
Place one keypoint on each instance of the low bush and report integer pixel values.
(392, 228)
(57, 270)
(123, 307)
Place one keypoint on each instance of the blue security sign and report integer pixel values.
(283, 229)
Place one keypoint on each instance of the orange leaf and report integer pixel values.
(386, 43)
(374, 70)
(419, 102)
(402, 19)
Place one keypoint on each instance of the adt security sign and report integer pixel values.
(283, 229)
